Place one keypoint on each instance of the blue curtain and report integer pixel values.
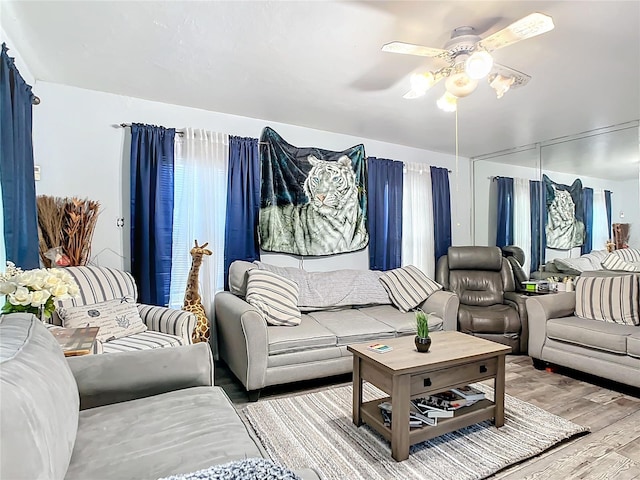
(607, 202)
(152, 211)
(536, 233)
(243, 203)
(504, 235)
(384, 185)
(441, 211)
(587, 215)
(16, 163)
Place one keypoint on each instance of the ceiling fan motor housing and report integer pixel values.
(463, 41)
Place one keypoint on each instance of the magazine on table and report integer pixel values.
(430, 411)
(416, 419)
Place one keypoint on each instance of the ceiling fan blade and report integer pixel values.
(520, 79)
(411, 49)
(527, 27)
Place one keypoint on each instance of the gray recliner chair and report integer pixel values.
(515, 256)
(490, 307)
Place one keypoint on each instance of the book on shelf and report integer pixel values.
(432, 412)
(416, 419)
(469, 393)
(447, 400)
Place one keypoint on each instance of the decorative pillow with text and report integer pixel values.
(116, 318)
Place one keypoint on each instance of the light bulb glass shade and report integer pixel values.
(421, 82)
(460, 85)
(447, 102)
(501, 84)
(479, 64)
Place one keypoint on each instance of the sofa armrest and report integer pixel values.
(518, 301)
(542, 308)
(169, 320)
(119, 377)
(242, 339)
(445, 305)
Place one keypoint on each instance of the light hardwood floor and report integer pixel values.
(610, 451)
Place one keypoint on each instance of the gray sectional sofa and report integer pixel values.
(261, 355)
(134, 415)
(558, 336)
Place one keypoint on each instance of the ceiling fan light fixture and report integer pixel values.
(421, 82)
(501, 84)
(460, 84)
(448, 102)
(478, 65)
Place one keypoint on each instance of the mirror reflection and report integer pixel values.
(561, 199)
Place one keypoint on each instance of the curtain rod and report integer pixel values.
(35, 100)
(128, 125)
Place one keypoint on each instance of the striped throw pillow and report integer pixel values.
(274, 296)
(615, 262)
(408, 287)
(628, 254)
(610, 299)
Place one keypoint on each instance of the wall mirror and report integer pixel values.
(603, 160)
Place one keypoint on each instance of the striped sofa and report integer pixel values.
(166, 327)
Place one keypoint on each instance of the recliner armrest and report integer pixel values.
(120, 377)
(518, 301)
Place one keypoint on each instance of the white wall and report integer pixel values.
(82, 154)
(625, 208)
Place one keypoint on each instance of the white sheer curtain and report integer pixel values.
(600, 227)
(200, 199)
(417, 219)
(522, 219)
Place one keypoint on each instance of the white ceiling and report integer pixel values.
(319, 64)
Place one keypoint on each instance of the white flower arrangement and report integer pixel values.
(34, 291)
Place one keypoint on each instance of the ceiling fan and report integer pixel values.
(468, 60)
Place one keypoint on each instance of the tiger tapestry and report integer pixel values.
(313, 201)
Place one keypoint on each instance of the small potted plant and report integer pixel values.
(422, 340)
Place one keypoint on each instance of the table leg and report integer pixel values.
(499, 392)
(357, 391)
(400, 417)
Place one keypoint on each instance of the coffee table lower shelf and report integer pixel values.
(463, 417)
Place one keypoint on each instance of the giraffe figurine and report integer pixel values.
(192, 299)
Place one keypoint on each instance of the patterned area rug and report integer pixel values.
(315, 430)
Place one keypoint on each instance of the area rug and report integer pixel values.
(316, 430)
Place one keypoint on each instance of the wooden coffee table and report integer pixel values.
(455, 359)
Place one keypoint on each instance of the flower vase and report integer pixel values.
(423, 344)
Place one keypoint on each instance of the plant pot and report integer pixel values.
(423, 344)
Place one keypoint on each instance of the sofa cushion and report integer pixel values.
(610, 299)
(590, 333)
(238, 277)
(39, 399)
(353, 326)
(116, 318)
(176, 432)
(408, 287)
(274, 296)
(596, 257)
(142, 341)
(614, 262)
(308, 335)
(633, 345)
(402, 323)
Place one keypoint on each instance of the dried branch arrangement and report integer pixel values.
(68, 223)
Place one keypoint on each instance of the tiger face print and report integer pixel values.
(329, 185)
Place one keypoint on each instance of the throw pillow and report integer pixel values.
(610, 299)
(116, 318)
(274, 296)
(408, 287)
(628, 254)
(615, 262)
